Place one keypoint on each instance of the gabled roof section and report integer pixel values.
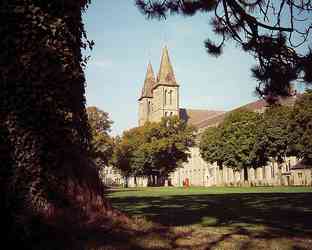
(196, 116)
(166, 74)
(148, 83)
(256, 106)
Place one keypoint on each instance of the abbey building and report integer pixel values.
(160, 97)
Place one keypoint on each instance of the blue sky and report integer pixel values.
(124, 43)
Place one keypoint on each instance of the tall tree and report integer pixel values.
(275, 32)
(167, 146)
(211, 145)
(273, 133)
(272, 139)
(48, 181)
(125, 148)
(154, 149)
(239, 133)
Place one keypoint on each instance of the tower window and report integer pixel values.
(165, 97)
(170, 97)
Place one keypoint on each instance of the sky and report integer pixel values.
(125, 41)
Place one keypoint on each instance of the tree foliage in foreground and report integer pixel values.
(155, 149)
(276, 32)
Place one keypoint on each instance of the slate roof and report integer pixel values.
(165, 73)
(196, 116)
(259, 106)
(148, 83)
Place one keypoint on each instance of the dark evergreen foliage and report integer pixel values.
(276, 32)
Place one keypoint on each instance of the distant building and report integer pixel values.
(160, 98)
(111, 176)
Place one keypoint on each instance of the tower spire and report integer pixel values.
(166, 74)
(149, 82)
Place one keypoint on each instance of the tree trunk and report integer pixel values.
(245, 174)
(135, 181)
(43, 118)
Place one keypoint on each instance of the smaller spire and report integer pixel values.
(149, 82)
(166, 74)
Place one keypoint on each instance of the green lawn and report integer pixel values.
(225, 218)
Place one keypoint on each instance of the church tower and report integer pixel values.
(165, 91)
(145, 101)
(159, 97)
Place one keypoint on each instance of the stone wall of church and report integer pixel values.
(301, 177)
(200, 173)
(145, 110)
(165, 102)
(196, 170)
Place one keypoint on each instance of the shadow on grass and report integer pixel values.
(227, 221)
(284, 213)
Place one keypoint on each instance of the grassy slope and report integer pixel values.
(223, 218)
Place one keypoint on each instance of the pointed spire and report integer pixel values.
(149, 82)
(166, 74)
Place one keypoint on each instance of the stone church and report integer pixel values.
(160, 97)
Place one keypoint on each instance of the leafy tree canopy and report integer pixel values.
(300, 127)
(211, 145)
(275, 32)
(155, 148)
(239, 132)
(273, 134)
(124, 156)
(233, 141)
(101, 148)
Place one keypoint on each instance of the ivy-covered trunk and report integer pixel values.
(45, 173)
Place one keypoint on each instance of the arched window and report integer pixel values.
(166, 113)
(171, 113)
(170, 97)
(165, 97)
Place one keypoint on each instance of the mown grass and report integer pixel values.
(220, 218)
